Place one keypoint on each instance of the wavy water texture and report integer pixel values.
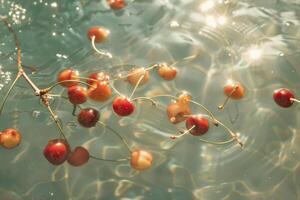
(255, 42)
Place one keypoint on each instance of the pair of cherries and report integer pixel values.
(57, 151)
(10, 138)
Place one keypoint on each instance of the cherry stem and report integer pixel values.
(110, 160)
(117, 134)
(100, 51)
(186, 59)
(154, 103)
(8, 92)
(114, 89)
(65, 81)
(221, 107)
(136, 85)
(183, 134)
(74, 109)
(295, 100)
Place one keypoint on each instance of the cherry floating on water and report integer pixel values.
(116, 4)
(77, 94)
(139, 75)
(10, 138)
(234, 91)
(98, 76)
(141, 160)
(123, 106)
(88, 117)
(100, 91)
(178, 110)
(197, 125)
(79, 156)
(166, 72)
(56, 151)
(284, 97)
(68, 75)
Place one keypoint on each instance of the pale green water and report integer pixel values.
(53, 37)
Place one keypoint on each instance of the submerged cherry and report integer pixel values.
(88, 117)
(166, 72)
(100, 91)
(56, 151)
(98, 76)
(122, 106)
(68, 75)
(197, 125)
(10, 138)
(99, 33)
(141, 160)
(116, 4)
(77, 94)
(79, 156)
(234, 90)
(178, 111)
(137, 74)
(284, 97)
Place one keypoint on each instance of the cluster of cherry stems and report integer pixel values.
(99, 87)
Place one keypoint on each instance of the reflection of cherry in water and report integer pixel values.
(284, 97)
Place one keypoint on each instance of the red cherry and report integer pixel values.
(98, 76)
(88, 117)
(166, 72)
(234, 90)
(99, 33)
(56, 151)
(77, 94)
(99, 91)
(10, 138)
(66, 75)
(283, 97)
(201, 125)
(141, 160)
(78, 157)
(122, 106)
(116, 4)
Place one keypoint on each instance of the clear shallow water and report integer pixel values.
(262, 39)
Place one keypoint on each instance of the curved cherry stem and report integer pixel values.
(100, 51)
(154, 103)
(48, 89)
(110, 160)
(137, 85)
(295, 100)
(118, 135)
(8, 92)
(173, 137)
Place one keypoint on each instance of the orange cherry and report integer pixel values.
(100, 91)
(178, 111)
(136, 74)
(10, 138)
(116, 4)
(98, 76)
(166, 72)
(99, 33)
(234, 90)
(141, 160)
(68, 75)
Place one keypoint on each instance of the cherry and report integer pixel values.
(88, 117)
(141, 160)
(10, 138)
(178, 110)
(79, 156)
(135, 75)
(56, 151)
(284, 97)
(116, 4)
(77, 94)
(98, 76)
(122, 106)
(100, 91)
(166, 72)
(66, 75)
(99, 33)
(200, 124)
(234, 90)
